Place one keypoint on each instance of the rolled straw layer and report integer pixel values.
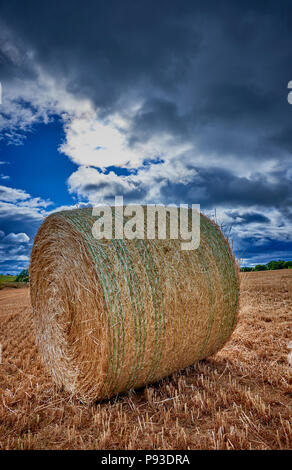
(111, 315)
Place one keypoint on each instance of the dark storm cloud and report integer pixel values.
(212, 74)
(262, 252)
(217, 187)
(248, 218)
(156, 116)
(220, 60)
(7, 67)
(104, 47)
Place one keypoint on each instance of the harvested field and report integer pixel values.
(240, 398)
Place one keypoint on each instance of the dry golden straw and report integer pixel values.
(111, 315)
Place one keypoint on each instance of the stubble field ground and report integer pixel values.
(241, 398)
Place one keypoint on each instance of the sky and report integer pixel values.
(164, 102)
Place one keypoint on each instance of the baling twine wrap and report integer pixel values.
(111, 315)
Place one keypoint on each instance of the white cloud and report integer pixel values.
(7, 256)
(69, 207)
(21, 198)
(20, 217)
(144, 185)
(27, 102)
(94, 186)
(35, 202)
(91, 142)
(12, 195)
(16, 238)
(20, 214)
(9, 210)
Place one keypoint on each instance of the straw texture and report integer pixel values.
(111, 315)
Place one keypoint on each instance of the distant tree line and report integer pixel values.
(271, 266)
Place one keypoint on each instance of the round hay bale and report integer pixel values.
(111, 315)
